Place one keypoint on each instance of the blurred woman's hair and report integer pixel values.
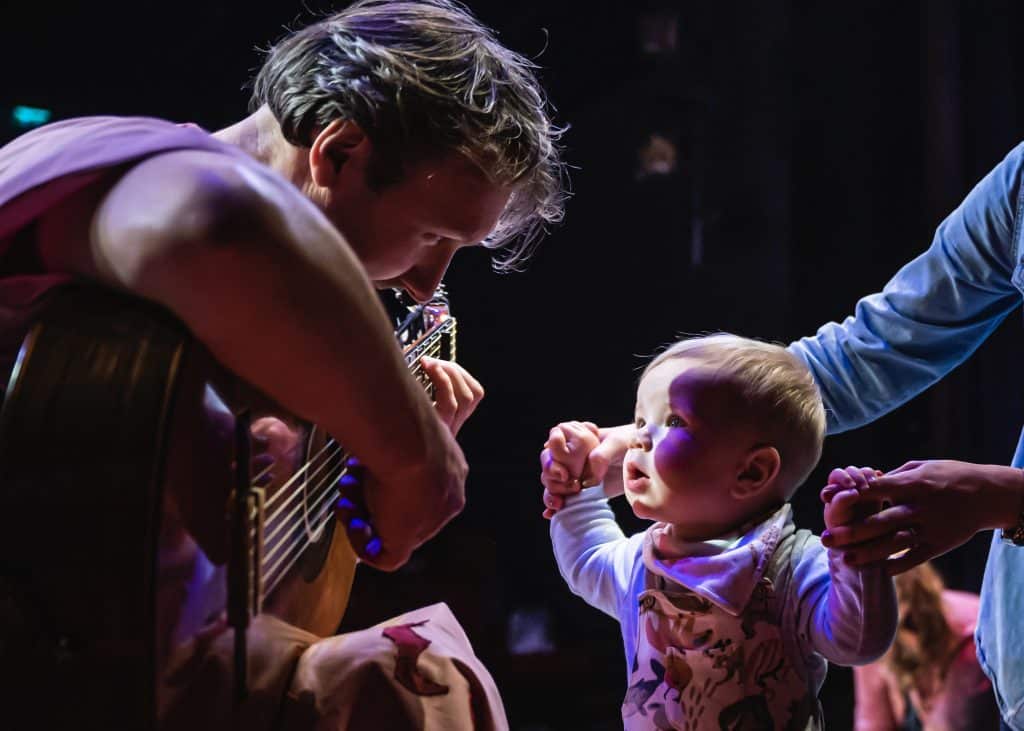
(919, 592)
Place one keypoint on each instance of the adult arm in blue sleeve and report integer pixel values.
(932, 315)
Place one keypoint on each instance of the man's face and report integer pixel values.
(687, 451)
(406, 233)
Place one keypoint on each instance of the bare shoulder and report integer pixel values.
(193, 194)
(167, 211)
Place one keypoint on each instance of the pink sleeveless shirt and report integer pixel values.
(43, 167)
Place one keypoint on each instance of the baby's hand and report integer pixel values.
(844, 503)
(563, 459)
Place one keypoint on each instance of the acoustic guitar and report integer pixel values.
(127, 490)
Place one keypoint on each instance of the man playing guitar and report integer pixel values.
(267, 239)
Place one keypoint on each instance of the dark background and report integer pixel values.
(819, 144)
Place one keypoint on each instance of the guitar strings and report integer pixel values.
(298, 473)
(322, 498)
(431, 347)
(273, 576)
(320, 504)
(322, 514)
(416, 371)
(275, 517)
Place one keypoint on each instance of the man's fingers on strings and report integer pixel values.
(472, 389)
(445, 399)
(350, 509)
(468, 390)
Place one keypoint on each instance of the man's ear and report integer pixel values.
(758, 470)
(335, 145)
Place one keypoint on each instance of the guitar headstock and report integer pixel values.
(426, 329)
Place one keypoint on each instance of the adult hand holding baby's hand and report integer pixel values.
(563, 460)
(580, 454)
(933, 506)
(844, 500)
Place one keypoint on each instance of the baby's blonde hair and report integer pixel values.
(785, 404)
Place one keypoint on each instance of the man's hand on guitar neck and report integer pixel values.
(369, 518)
(456, 392)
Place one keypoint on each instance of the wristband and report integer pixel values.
(1015, 535)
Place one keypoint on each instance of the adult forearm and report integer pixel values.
(310, 333)
(261, 278)
(271, 288)
(1004, 496)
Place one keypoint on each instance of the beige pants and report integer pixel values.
(415, 671)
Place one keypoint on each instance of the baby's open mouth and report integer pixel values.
(636, 478)
(633, 472)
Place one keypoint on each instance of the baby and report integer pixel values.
(728, 612)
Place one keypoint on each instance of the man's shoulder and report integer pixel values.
(96, 144)
(201, 194)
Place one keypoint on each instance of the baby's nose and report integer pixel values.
(641, 440)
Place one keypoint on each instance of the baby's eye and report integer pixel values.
(674, 421)
(640, 423)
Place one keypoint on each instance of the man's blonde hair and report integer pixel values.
(784, 401)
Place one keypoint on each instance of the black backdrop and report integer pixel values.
(818, 146)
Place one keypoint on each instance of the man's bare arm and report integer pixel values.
(272, 289)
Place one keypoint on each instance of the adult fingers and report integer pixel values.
(882, 549)
(468, 393)
(350, 509)
(556, 444)
(552, 501)
(609, 453)
(830, 491)
(560, 487)
(914, 557)
(897, 487)
(554, 470)
(906, 466)
(887, 521)
(572, 447)
(446, 400)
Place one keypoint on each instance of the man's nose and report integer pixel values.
(421, 281)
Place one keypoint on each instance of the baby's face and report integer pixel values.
(688, 449)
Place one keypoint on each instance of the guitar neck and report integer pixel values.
(301, 510)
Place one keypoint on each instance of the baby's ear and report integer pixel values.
(758, 470)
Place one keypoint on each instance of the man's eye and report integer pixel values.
(674, 421)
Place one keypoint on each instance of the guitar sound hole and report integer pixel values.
(320, 538)
(316, 554)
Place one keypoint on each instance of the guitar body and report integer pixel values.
(116, 470)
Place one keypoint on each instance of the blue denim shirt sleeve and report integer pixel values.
(932, 315)
(928, 319)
